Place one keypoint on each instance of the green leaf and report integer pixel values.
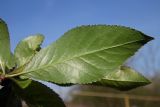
(124, 78)
(85, 54)
(27, 48)
(39, 95)
(23, 83)
(24, 52)
(6, 59)
(11, 63)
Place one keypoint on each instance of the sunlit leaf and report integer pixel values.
(6, 58)
(27, 48)
(85, 54)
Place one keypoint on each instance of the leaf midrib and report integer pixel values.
(21, 73)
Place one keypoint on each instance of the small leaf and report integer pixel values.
(124, 78)
(39, 95)
(23, 83)
(85, 54)
(27, 48)
(6, 59)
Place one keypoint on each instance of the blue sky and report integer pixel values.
(54, 17)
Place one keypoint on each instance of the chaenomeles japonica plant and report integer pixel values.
(91, 54)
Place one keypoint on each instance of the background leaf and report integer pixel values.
(8, 97)
(6, 58)
(123, 78)
(27, 48)
(85, 54)
(39, 95)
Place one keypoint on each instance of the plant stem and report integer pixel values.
(13, 75)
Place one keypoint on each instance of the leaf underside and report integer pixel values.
(124, 78)
(85, 54)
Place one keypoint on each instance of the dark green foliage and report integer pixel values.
(39, 95)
